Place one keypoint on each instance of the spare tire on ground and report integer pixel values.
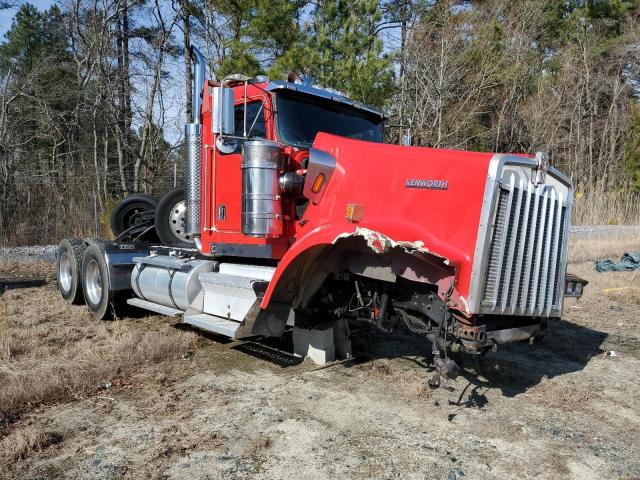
(124, 214)
(170, 220)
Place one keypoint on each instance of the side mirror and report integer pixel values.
(223, 111)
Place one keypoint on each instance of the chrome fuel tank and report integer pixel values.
(169, 281)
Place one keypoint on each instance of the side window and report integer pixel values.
(255, 117)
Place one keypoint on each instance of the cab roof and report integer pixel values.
(322, 93)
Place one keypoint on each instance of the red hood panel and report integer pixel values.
(409, 194)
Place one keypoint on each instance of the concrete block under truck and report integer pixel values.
(295, 215)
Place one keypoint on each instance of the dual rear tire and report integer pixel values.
(81, 267)
(102, 302)
(69, 270)
(83, 277)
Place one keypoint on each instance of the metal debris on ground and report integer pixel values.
(628, 262)
(455, 474)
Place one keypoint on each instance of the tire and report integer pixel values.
(170, 220)
(123, 212)
(69, 270)
(99, 298)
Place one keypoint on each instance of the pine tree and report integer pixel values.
(340, 49)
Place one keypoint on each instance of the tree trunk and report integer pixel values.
(126, 84)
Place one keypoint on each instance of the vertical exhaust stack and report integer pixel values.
(193, 145)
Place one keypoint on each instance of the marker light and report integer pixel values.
(317, 183)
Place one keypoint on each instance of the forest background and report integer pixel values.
(94, 93)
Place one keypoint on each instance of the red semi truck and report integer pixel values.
(295, 214)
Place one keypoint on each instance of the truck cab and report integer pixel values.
(285, 113)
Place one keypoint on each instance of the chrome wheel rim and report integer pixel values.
(93, 282)
(178, 221)
(64, 272)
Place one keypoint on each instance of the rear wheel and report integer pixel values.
(124, 214)
(171, 220)
(69, 269)
(98, 296)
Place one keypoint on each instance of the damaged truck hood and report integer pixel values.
(423, 200)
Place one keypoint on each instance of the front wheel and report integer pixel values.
(98, 296)
(171, 220)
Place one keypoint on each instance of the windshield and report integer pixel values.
(301, 117)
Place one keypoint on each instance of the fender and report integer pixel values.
(320, 236)
(328, 234)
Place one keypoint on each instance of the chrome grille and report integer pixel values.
(524, 270)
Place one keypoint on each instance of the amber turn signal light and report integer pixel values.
(317, 183)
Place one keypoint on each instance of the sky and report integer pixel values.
(174, 120)
(174, 101)
(7, 14)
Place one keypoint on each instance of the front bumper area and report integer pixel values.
(487, 332)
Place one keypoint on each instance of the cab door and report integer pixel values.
(228, 172)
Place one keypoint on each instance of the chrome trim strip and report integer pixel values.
(544, 283)
(526, 293)
(554, 255)
(554, 172)
(525, 225)
(503, 240)
(506, 288)
(565, 252)
(480, 257)
(537, 268)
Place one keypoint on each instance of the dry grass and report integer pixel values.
(81, 368)
(588, 249)
(629, 294)
(21, 442)
(51, 353)
(606, 208)
(259, 446)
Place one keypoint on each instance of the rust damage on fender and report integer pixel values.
(421, 265)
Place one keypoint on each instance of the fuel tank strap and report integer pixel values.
(165, 262)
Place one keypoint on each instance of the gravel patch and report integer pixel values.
(32, 253)
(599, 231)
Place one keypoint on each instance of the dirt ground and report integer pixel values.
(141, 397)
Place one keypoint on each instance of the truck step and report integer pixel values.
(257, 272)
(211, 323)
(154, 307)
(231, 291)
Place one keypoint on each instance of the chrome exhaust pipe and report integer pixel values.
(193, 148)
(199, 67)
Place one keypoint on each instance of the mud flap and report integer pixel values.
(265, 323)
